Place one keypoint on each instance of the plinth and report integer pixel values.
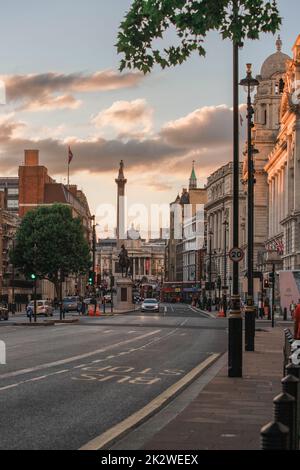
(124, 294)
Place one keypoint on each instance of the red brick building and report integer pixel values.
(37, 188)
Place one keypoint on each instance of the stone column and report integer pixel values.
(297, 166)
(270, 207)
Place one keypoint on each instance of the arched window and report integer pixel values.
(281, 86)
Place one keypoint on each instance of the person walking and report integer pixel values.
(297, 322)
(292, 309)
(29, 312)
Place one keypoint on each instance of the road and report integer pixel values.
(64, 385)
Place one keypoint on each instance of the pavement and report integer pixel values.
(225, 413)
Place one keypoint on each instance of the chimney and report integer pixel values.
(31, 158)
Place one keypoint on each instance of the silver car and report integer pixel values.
(150, 305)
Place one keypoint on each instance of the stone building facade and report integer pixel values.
(9, 223)
(219, 214)
(267, 104)
(283, 172)
(186, 214)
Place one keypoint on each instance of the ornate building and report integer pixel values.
(219, 214)
(267, 105)
(283, 170)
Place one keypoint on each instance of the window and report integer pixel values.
(281, 86)
(12, 204)
(13, 191)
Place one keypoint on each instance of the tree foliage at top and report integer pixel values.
(50, 241)
(148, 20)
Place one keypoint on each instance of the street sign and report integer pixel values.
(236, 255)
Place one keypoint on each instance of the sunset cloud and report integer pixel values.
(127, 117)
(44, 90)
(205, 127)
(204, 136)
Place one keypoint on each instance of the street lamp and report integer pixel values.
(210, 233)
(249, 83)
(94, 249)
(226, 224)
(235, 322)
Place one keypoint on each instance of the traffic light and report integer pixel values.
(271, 278)
(33, 277)
(91, 278)
(266, 284)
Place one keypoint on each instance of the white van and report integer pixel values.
(43, 307)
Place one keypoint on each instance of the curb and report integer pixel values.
(118, 431)
(203, 312)
(45, 323)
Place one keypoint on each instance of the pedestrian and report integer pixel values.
(29, 312)
(260, 309)
(297, 322)
(292, 309)
(94, 302)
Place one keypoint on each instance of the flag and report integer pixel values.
(70, 155)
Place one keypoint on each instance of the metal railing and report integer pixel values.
(284, 432)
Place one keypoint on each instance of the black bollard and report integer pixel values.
(293, 370)
(290, 385)
(285, 314)
(274, 436)
(284, 412)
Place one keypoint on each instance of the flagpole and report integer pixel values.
(68, 174)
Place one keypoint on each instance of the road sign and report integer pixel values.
(236, 255)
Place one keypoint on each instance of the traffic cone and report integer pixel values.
(91, 311)
(98, 313)
(221, 313)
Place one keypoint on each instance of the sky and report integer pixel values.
(60, 67)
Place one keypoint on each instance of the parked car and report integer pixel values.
(71, 304)
(4, 312)
(150, 305)
(43, 307)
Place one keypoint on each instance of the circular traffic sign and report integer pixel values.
(236, 255)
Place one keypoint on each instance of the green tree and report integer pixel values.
(50, 242)
(148, 20)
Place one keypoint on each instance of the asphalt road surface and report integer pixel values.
(64, 385)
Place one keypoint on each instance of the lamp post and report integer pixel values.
(235, 322)
(209, 271)
(249, 83)
(225, 287)
(35, 283)
(94, 250)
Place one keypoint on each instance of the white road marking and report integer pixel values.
(76, 358)
(34, 379)
(119, 430)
